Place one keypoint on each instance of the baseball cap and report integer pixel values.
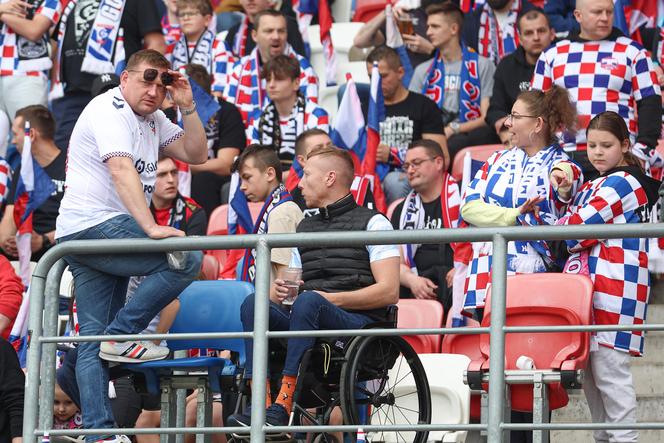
(103, 83)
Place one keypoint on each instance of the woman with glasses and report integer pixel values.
(513, 188)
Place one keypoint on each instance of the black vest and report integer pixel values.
(343, 268)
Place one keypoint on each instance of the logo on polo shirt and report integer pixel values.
(609, 63)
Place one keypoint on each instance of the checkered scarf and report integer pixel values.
(495, 43)
(469, 93)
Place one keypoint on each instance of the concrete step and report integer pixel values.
(650, 409)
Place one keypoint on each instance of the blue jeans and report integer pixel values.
(68, 109)
(310, 312)
(100, 284)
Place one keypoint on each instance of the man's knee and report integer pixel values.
(247, 312)
(193, 265)
(307, 303)
(395, 186)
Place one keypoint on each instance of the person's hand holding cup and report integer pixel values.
(292, 279)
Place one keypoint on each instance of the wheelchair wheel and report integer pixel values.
(383, 383)
(325, 438)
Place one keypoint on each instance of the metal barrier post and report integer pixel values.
(497, 349)
(51, 312)
(261, 319)
(32, 378)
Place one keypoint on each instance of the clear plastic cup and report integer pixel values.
(291, 277)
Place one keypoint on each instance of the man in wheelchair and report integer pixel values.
(343, 287)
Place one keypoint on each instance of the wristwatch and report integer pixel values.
(190, 110)
(455, 126)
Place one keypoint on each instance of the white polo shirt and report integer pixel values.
(107, 128)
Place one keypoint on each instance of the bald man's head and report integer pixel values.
(595, 18)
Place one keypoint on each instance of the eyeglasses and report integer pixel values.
(416, 163)
(151, 74)
(512, 116)
(188, 14)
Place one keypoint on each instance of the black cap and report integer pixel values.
(103, 83)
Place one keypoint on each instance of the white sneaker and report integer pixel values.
(115, 439)
(132, 352)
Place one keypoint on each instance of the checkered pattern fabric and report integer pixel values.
(9, 60)
(600, 76)
(222, 64)
(247, 91)
(618, 267)
(507, 180)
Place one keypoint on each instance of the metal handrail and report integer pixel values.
(45, 285)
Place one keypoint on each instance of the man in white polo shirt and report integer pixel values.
(111, 172)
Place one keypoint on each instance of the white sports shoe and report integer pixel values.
(131, 352)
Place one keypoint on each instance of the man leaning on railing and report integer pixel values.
(112, 166)
(344, 287)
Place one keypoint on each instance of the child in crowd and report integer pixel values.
(66, 414)
(618, 268)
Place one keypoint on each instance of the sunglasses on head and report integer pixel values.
(150, 75)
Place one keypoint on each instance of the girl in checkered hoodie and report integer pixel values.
(618, 267)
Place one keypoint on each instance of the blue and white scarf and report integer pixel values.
(469, 90)
(278, 196)
(201, 55)
(104, 33)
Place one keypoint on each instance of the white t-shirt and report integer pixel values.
(107, 128)
(376, 252)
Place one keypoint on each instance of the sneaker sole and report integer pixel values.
(121, 359)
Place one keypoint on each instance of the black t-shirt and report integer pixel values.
(433, 261)
(225, 130)
(294, 37)
(43, 219)
(407, 120)
(139, 18)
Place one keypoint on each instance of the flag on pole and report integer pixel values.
(239, 222)
(349, 131)
(375, 117)
(34, 188)
(306, 9)
(394, 40)
(630, 15)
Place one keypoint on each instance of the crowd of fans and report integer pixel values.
(110, 117)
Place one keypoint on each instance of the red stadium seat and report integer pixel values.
(365, 10)
(392, 207)
(479, 153)
(547, 299)
(210, 268)
(415, 313)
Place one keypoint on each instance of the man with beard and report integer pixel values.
(491, 29)
(81, 55)
(515, 71)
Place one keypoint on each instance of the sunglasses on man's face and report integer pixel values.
(150, 75)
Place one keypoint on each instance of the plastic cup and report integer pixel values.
(291, 277)
(405, 24)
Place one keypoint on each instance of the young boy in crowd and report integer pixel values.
(288, 113)
(198, 43)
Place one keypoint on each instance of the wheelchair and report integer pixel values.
(376, 380)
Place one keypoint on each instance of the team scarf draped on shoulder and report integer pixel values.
(99, 49)
(412, 215)
(494, 43)
(269, 129)
(469, 91)
(240, 40)
(177, 215)
(279, 195)
(201, 55)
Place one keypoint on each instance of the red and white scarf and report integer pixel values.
(495, 42)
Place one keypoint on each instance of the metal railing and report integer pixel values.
(45, 286)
